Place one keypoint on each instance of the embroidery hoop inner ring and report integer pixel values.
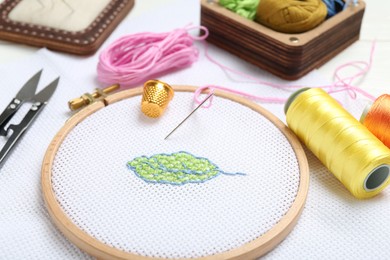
(96, 248)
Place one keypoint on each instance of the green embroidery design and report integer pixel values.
(176, 168)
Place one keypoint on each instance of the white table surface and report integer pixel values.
(375, 27)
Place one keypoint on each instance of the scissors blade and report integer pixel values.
(44, 95)
(29, 88)
(18, 130)
(25, 93)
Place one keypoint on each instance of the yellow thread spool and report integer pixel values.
(352, 153)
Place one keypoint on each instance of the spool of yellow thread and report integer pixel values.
(352, 153)
(291, 16)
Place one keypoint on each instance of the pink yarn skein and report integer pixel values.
(132, 59)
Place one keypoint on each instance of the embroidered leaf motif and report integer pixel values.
(176, 168)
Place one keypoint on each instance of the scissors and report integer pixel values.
(26, 93)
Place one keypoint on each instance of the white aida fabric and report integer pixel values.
(333, 224)
(90, 178)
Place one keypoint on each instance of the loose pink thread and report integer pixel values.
(135, 58)
(339, 84)
(346, 83)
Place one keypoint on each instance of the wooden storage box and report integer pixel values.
(289, 56)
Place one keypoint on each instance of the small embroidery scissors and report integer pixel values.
(26, 93)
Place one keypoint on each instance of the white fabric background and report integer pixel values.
(333, 225)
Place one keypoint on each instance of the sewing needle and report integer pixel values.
(193, 111)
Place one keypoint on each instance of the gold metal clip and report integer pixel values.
(88, 98)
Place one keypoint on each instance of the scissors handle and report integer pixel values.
(8, 113)
(18, 130)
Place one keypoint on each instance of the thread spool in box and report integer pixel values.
(351, 152)
(289, 56)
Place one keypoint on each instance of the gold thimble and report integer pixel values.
(155, 98)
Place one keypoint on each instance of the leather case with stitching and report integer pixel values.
(82, 42)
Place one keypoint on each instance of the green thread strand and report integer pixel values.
(245, 8)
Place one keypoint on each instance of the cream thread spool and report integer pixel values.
(351, 152)
(155, 98)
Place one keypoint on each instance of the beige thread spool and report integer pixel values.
(155, 98)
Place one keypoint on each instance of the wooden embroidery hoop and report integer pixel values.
(94, 247)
